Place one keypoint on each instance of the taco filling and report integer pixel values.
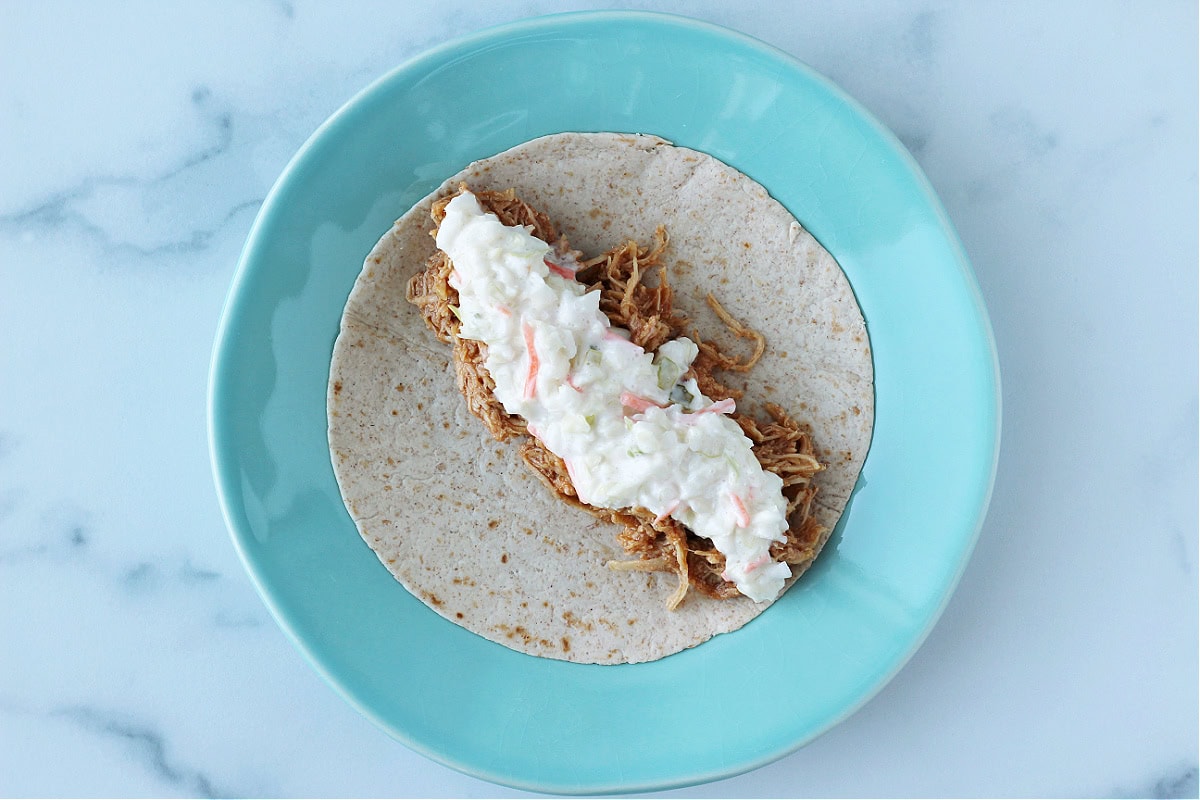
(620, 407)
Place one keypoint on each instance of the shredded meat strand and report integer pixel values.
(722, 361)
(781, 444)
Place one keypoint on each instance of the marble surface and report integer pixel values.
(137, 141)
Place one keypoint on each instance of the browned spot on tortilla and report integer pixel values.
(529, 531)
(855, 410)
(493, 523)
(378, 259)
(566, 644)
(433, 598)
(595, 212)
(420, 406)
(458, 614)
(631, 621)
(747, 245)
(395, 412)
(504, 558)
(575, 622)
(337, 387)
(399, 387)
(522, 632)
(837, 327)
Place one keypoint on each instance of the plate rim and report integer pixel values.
(226, 335)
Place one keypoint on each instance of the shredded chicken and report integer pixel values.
(781, 444)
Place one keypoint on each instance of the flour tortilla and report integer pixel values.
(460, 521)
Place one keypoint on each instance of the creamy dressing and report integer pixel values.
(630, 431)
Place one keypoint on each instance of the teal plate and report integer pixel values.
(740, 700)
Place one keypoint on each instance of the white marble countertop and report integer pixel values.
(136, 144)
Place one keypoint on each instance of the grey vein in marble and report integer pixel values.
(67, 527)
(150, 746)
(58, 214)
(1183, 555)
(1018, 125)
(146, 575)
(140, 577)
(70, 535)
(921, 38)
(1022, 142)
(99, 206)
(189, 573)
(915, 52)
(9, 500)
(1182, 782)
(51, 210)
(23, 553)
(230, 620)
(915, 141)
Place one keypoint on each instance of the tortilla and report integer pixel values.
(458, 519)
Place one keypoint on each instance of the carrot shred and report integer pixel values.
(739, 508)
(534, 365)
(638, 404)
(726, 406)
(559, 270)
(670, 510)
